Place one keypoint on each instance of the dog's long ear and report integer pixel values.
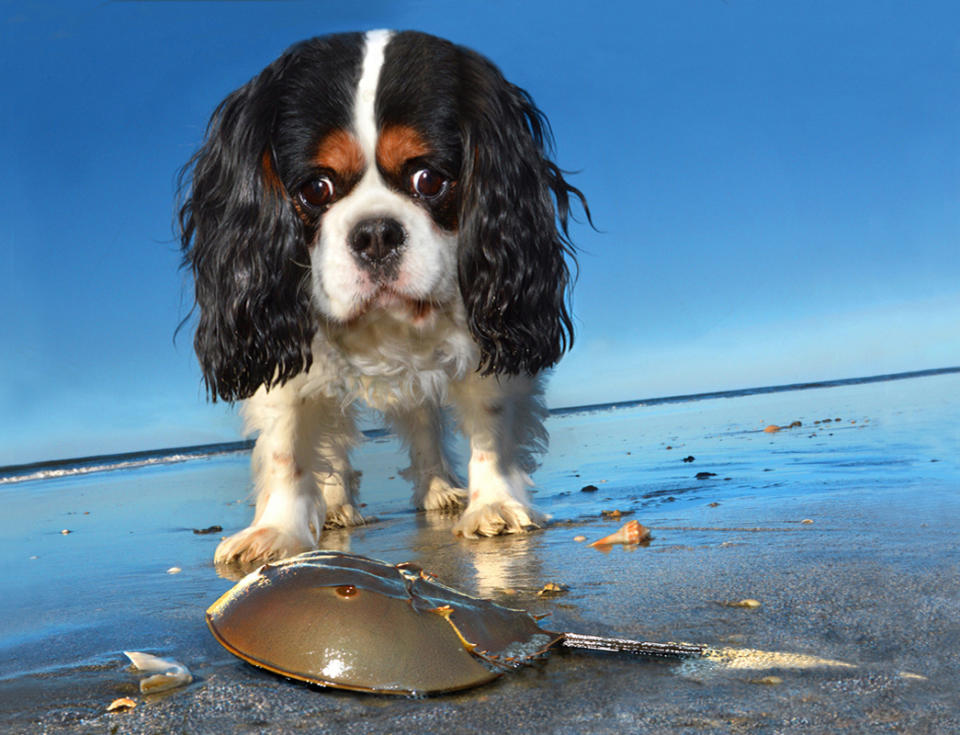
(513, 227)
(246, 248)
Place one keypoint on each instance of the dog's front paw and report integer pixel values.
(497, 517)
(343, 516)
(258, 544)
(440, 495)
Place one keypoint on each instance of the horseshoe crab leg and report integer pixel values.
(625, 645)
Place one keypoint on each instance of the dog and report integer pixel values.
(376, 218)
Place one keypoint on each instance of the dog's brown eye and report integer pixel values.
(428, 184)
(317, 192)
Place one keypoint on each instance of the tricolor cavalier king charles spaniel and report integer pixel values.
(375, 218)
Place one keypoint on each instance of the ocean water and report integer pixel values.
(873, 579)
(70, 467)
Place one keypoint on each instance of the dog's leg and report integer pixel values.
(338, 481)
(300, 472)
(503, 418)
(435, 487)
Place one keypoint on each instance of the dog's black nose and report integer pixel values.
(377, 241)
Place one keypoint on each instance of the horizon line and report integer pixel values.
(759, 390)
(199, 450)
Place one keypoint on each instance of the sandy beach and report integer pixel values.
(846, 530)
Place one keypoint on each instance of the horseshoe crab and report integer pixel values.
(345, 621)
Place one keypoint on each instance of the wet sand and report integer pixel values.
(873, 581)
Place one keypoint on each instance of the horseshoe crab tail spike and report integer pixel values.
(641, 648)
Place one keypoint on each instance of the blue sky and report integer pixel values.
(775, 187)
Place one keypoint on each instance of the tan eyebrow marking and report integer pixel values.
(397, 145)
(339, 151)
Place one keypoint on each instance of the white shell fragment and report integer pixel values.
(166, 673)
(909, 675)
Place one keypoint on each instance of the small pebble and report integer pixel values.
(691, 458)
(767, 680)
(713, 504)
(610, 513)
(578, 539)
(748, 602)
(552, 589)
(807, 521)
(174, 570)
(772, 429)
(66, 531)
(589, 489)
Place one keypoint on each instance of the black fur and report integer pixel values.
(248, 249)
(241, 236)
(513, 270)
(490, 135)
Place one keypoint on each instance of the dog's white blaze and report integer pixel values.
(428, 269)
(364, 105)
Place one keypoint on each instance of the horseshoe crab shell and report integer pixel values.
(345, 621)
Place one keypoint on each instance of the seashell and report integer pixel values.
(165, 673)
(121, 704)
(631, 533)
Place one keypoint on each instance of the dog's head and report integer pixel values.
(374, 172)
